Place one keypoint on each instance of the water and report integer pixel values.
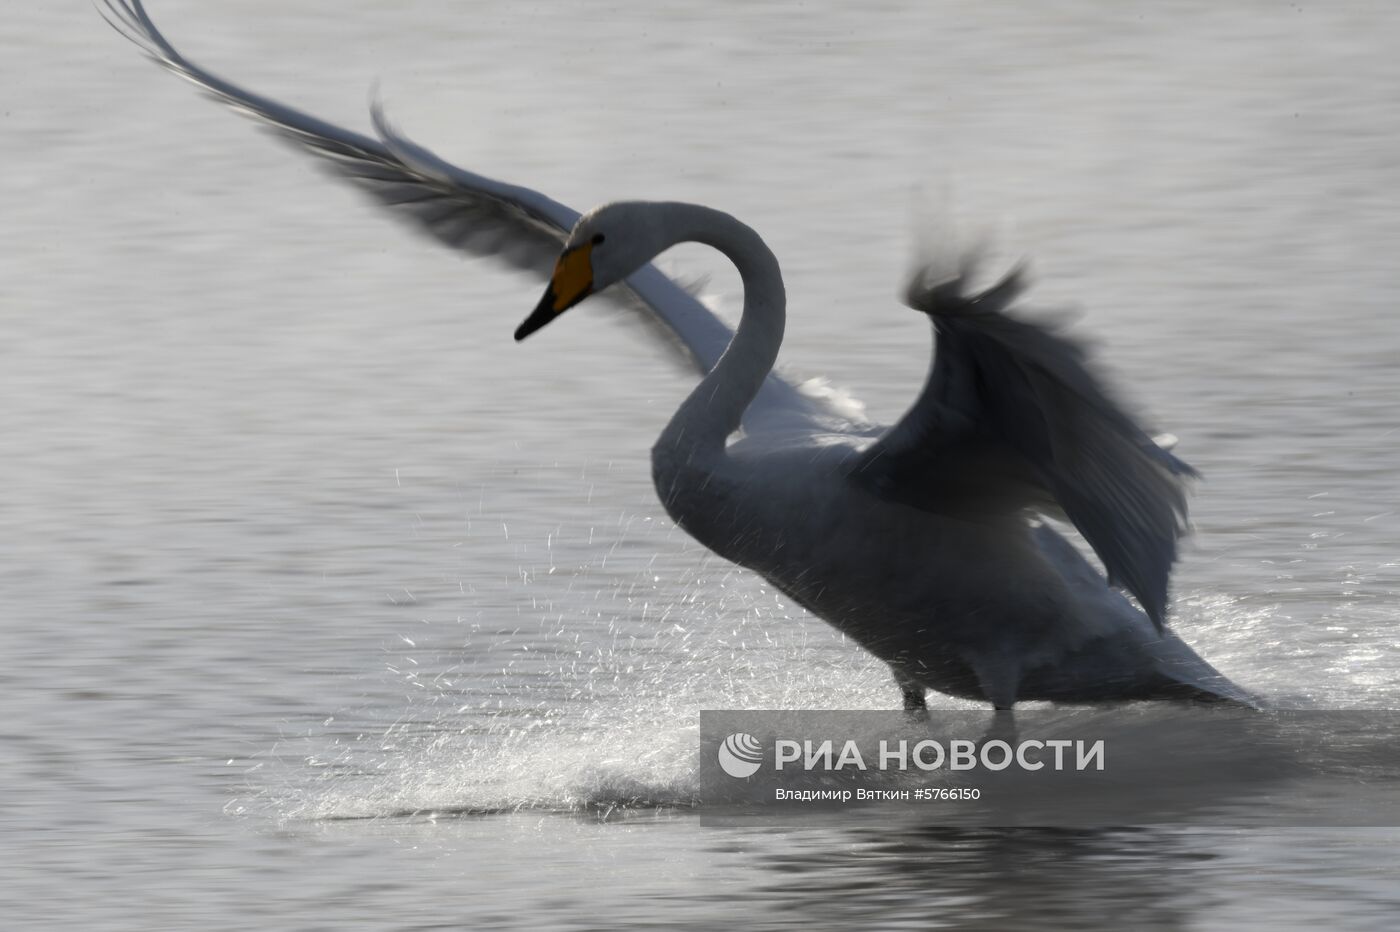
(329, 607)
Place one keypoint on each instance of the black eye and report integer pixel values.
(598, 238)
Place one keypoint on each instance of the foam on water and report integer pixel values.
(587, 700)
(594, 756)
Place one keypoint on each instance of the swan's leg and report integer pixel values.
(912, 689)
(1002, 728)
(1000, 679)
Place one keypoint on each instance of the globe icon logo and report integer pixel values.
(740, 755)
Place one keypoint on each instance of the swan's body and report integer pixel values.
(914, 541)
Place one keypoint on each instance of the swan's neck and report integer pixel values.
(713, 410)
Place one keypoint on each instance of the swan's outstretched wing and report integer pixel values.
(1010, 418)
(463, 210)
(473, 213)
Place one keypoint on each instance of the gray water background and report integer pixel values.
(327, 606)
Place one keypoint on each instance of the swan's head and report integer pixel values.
(606, 245)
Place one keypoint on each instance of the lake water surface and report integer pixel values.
(327, 606)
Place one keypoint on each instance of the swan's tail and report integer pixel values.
(1156, 665)
(1186, 676)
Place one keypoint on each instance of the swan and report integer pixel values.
(922, 542)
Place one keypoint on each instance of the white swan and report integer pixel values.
(916, 541)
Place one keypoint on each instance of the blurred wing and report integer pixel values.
(479, 215)
(1010, 418)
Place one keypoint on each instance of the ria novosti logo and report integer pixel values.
(740, 755)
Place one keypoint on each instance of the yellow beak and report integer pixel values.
(571, 283)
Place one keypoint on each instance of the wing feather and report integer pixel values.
(1012, 417)
(461, 209)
